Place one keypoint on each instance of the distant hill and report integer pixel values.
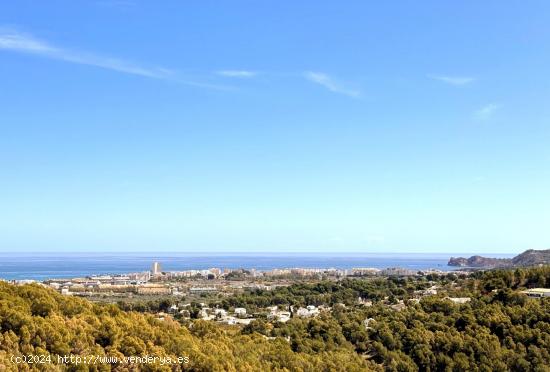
(479, 261)
(530, 257)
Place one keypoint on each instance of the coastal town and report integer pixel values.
(292, 308)
(188, 293)
(207, 281)
(198, 294)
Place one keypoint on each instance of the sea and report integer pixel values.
(43, 266)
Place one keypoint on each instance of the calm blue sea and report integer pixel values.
(40, 266)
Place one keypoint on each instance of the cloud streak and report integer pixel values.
(18, 42)
(453, 80)
(243, 74)
(330, 83)
(24, 43)
(487, 111)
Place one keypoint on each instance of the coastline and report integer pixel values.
(43, 266)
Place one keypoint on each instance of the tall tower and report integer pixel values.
(155, 269)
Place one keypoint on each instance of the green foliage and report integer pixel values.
(38, 321)
(500, 329)
(324, 293)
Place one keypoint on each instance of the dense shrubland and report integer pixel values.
(498, 330)
(38, 321)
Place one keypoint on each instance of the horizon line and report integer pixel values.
(253, 253)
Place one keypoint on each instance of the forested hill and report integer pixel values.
(498, 329)
(530, 257)
(38, 321)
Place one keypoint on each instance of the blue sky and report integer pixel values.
(207, 126)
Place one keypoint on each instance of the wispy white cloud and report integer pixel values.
(237, 73)
(25, 43)
(16, 41)
(330, 83)
(453, 80)
(487, 111)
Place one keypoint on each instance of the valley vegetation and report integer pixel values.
(500, 329)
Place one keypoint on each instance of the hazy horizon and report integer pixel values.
(326, 253)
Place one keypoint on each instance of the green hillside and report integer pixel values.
(38, 321)
(498, 329)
